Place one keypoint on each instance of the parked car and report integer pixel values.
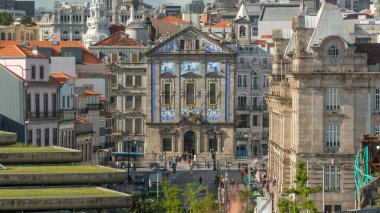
(154, 166)
(139, 179)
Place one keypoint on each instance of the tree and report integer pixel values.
(192, 203)
(6, 19)
(207, 203)
(141, 205)
(26, 20)
(171, 201)
(302, 191)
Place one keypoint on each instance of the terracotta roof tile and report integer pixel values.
(60, 77)
(174, 20)
(261, 43)
(88, 58)
(222, 24)
(18, 51)
(163, 27)
(119, 39)
(266, 36)
(81, 120)
(90, 92)
(116, 28)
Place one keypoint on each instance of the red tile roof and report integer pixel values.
(88, 58)
(18, 51)
(119, 39)
(116, 28)
(261, 43)
(90, 92)
(81, 120)
(174, 20)
(60, 77)
(266, 36)
(163, 27)
(222, 24)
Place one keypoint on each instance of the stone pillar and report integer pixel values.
(177, 88)
(206, 145)
(173, 143)
(219, 142)
(180, 142)
(198, 145)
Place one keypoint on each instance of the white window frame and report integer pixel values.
(332, 136)
(332, 177)
(377, 129)
(332, 96)
(377, 98)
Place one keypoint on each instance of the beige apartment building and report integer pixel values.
(324, 94)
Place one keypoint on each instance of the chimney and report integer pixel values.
(35, 50)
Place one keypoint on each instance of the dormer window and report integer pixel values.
(242, 32)
(333, 52)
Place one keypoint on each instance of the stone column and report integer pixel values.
(177, 88)
(219, 142)
(198, 145)
(206, 145)
(173, 143)
(180, 142)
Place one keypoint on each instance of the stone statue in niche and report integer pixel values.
(189, 44)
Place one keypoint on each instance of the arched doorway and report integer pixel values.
(189, 142)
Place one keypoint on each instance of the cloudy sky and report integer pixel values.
(49, 3)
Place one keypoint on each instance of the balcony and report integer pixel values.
(41, 116)
(250, 108)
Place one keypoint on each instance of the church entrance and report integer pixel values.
(189, 142)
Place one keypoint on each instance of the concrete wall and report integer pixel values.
(41, 157)
(63, 64)
(121, 201)
(8, 139)
(62, 179)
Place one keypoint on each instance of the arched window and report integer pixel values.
(9, 36)
(76, 32)
(255, 80)
(27, 36)
(64, 33)
(333, 52)
(2, 36)
(242, 32)
(22, 36)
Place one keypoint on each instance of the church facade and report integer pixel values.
(190, 98)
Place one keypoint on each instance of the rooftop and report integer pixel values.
(88, 58)
(19, 51)
(174, 20)
(119, 39)
(278, 13)
(57, 193)
(56, 169)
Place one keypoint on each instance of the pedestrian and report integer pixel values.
(200, 180)
(239, 165)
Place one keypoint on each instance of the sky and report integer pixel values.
(49, 3)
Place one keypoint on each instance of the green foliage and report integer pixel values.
(171, 201)
(26, 20)
(192, 203)
(302, 191)
(141, 205)
(207, 203)
(6, 19)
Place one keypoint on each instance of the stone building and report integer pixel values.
(190, 98)
(324, 94)
(125, 59)
(19, 32)
(68, 22)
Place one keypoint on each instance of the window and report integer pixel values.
(55, 136)
(129, 81)
(41, 72)
(243, 121)
(242, 102)
(129, 102)
(138, 126)
(377, 98)
(28, 103)
(377, 129)
(333, 52)
(332, 98)
(256, 120)
(37, 99)
(68, 102)
(213, 144)
(138, 102)
(114, 57)
(242, 80)
(190, 94)
(138, 81)
(254, 80)
(266, 81)
(167, 96)
(212, 93)
(134, 57)
(332, 177)
(33, 72)
(362, 40)
(30, 137)
(242, 32)
(63, 101)
(46, 105)
(333, 208)
(38, 133)
(47, 132)
(332, 136)
(167, 145)
(88, 87)
(129, 125)
(265, 120)
(54, 103)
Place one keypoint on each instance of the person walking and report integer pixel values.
(200, 180)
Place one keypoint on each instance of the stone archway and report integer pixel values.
(189, 141)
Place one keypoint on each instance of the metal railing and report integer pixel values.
(33, 116)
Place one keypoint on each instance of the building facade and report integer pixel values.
(27, 6)
(125, 59)
(19, 32)
(7, 4)
(323, 96)
(190, 98)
